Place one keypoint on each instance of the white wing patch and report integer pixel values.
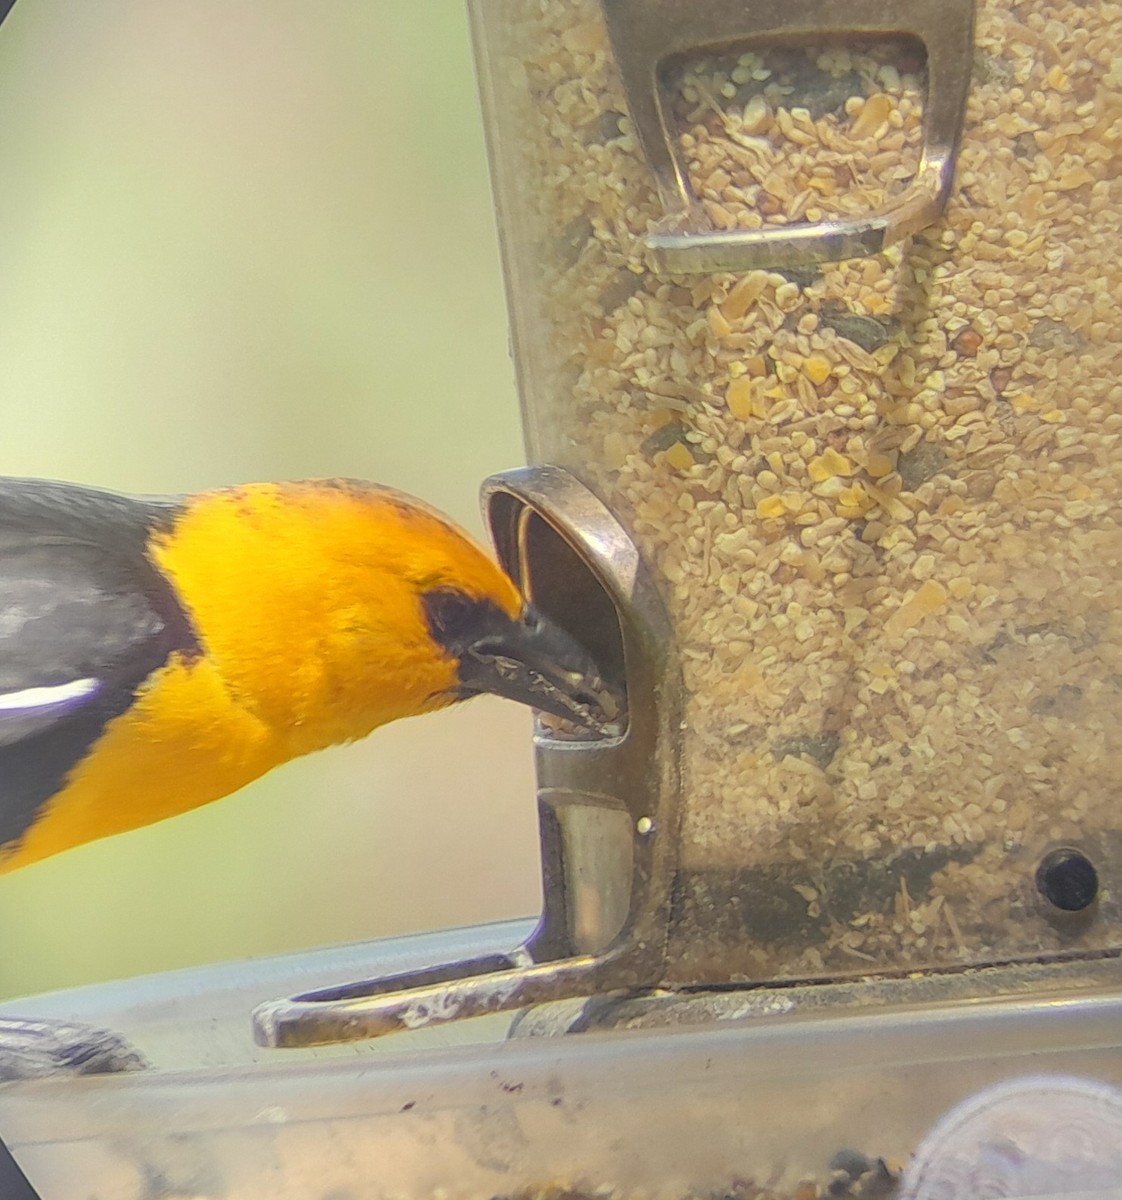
(43, 699)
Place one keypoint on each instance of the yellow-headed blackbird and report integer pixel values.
(158, 653)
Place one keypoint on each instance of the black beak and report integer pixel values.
(530, 660)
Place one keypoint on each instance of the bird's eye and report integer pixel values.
(453, 616)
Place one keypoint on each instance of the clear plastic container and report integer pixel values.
(880, 496)
(754, 1106)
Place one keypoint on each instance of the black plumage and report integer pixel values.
(81, 604)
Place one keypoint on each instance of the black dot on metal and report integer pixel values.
(1067, 879)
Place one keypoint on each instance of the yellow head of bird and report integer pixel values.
(335, 606)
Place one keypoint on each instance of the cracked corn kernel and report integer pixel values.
(855, 498)
(896, 509)
(827, 465)
(817, 368)
(931, 597)
(679, 456)
(770, 506)
(739, 398)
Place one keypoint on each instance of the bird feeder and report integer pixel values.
(813, 312)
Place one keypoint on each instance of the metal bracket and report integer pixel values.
(609, 805)
(646, 34)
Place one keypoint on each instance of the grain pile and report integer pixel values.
(876, 1182)
(882, 495)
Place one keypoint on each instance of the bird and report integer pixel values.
(158, 653)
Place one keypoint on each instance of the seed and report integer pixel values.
(616, 449)
(586, 38)
(924, 566)
(873, 115)
(1076, 177)
(738, 397)
(757, 115)
(827, 465)
(931, 597)
(817, 368)
(679, 456)
(770, 506)
(756, 366)
(879, 465)
(967, 342)
(787, 296)
(730, 543)
(718, 324)
(746, 292)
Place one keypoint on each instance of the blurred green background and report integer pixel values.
(252, 239)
